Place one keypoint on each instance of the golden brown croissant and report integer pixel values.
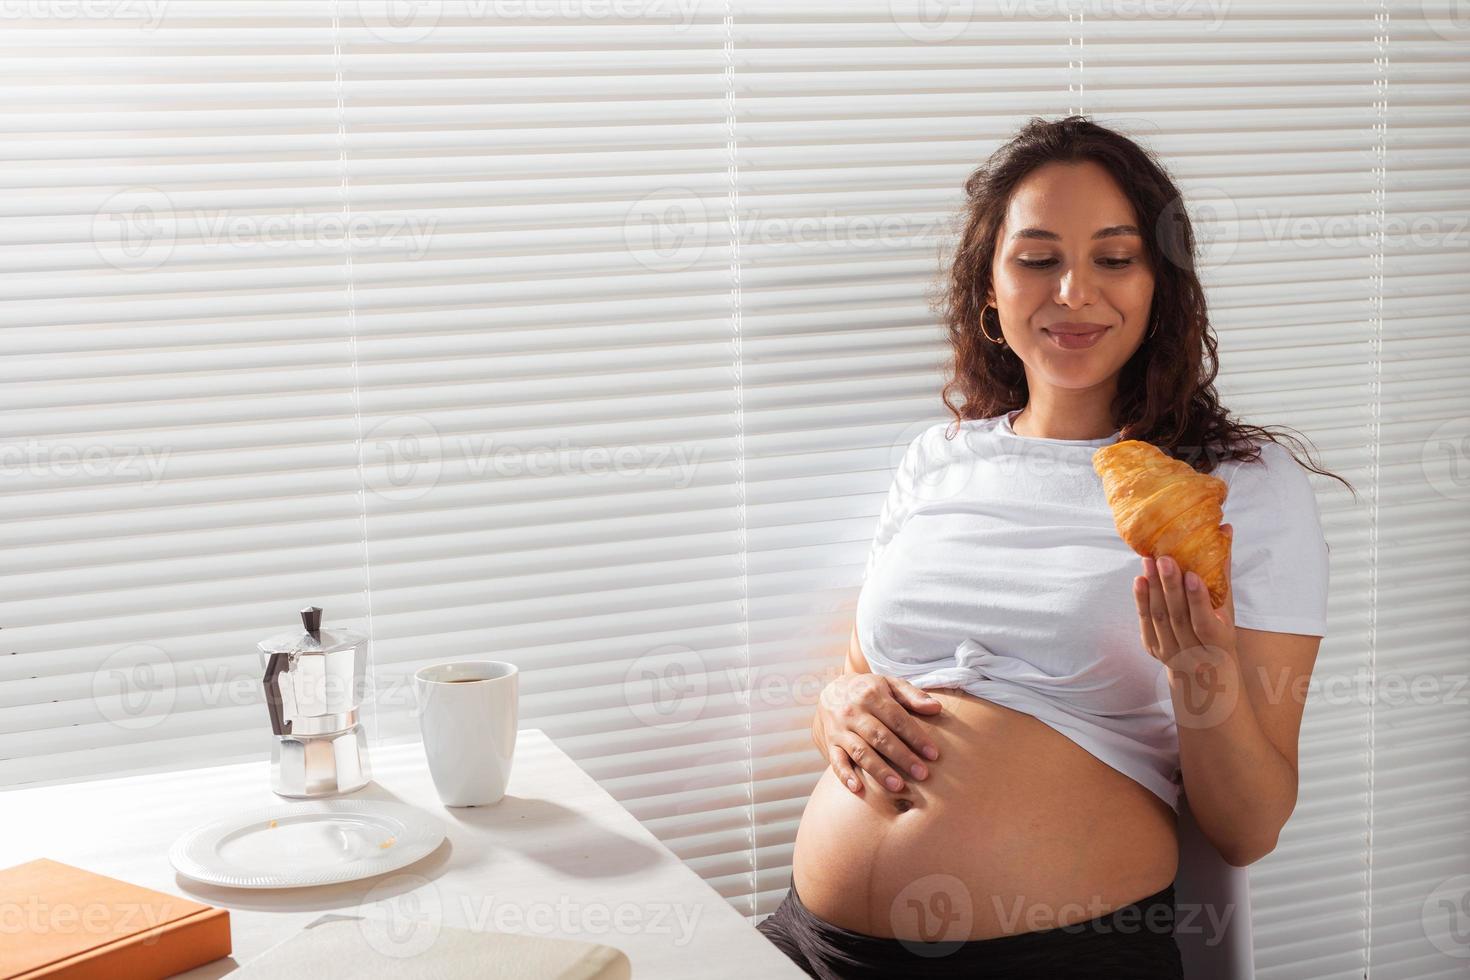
(1163, 506)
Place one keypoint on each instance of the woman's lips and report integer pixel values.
(1075, 341)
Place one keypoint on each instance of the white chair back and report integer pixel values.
(1212, 897)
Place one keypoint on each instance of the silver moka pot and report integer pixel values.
(314, 685)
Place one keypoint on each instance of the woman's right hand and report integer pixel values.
(866, 725)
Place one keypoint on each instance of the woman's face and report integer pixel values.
(1051, 269)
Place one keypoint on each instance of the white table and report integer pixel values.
(557, 856)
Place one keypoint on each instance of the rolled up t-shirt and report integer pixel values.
(996, 567)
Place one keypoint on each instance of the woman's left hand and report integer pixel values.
(1178, 625)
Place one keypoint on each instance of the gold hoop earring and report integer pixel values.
(1002, 340)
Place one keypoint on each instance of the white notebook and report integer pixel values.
(363, 948)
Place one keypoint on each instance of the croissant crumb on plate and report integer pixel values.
(1163, 506)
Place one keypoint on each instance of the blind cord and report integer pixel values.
(732, 206)
(1375, 436)
(370, 706)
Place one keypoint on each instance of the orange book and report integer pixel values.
(65, 923)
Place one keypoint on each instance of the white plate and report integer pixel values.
(317, 842)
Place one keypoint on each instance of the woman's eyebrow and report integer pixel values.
(1112, 231)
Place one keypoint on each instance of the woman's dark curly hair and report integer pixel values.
(1166, 394)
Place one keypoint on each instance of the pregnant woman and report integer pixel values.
(1025, 698)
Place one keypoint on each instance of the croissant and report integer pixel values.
(1163, 506)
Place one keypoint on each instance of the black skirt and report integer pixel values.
(1135, 941)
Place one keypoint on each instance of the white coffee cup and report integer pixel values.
(468, 714)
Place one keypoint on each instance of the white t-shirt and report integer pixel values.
(997, 568)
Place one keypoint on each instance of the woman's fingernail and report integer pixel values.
(931, 753)
(852, 784)
(893, 783)
(1191, 581)
(917, 770)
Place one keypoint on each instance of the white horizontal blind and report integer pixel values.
(1421, 617)
(612, 374)
(551, 378)
(177, 415)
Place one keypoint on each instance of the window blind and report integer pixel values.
(178, 408)
(588, 337)
(1420, 434)
(555, 384)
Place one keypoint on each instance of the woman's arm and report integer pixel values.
(1238, 742)
(856, 664)
(1238, 697)
(862, 721)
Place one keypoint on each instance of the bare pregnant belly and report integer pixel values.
(1016, 829)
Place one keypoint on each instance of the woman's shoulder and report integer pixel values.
(1269, 458)
(960, 438)
(972, 429)
(933, 437)
(1273, 478)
